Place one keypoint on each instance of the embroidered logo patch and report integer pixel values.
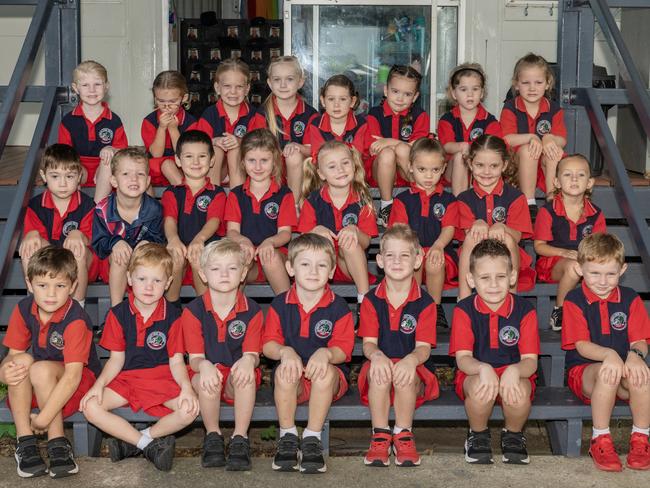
(56, 340)
(543, 127)
(406, 131)
(509, 336)
(69, 227)
(299, 128)
(618, 320)
(439, 210)
(156, 340)
(236, 329)
(203, 202)
(105, 135)
(323, 329)
(271, 210)
(240, 131)
(349, 219)
(349, 139)
(408, 323)
(499, 214)
(587, 230)
(475, 133)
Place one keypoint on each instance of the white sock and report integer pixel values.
(146, 431)
(144, 441)
(640, 430)
(597, 432)
(385, 203)
(310, 433)
(397, 429)
(290, 430)
(360, 297)
(532, 201)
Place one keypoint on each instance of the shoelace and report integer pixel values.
(59, 452)
(514, 441)
(606, 446)
(639, 446)
(237, 447)
(405, 442)
(311, 449)
(479, 442)
(28, 453)
(288, 445)
(211, 442)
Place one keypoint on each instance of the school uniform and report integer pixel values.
(215, 122)
(319, 131)
(451, 127)
(294, 127)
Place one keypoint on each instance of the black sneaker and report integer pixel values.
(62, 461)
(160, 452)
(532, 208)
(513, 447)
(28, 457)
(384, 215)
(478, 449)
(312, 461)
(118, 449)
(214, 451)
(239, 454)
(556, 319)
(286, 457)
(441, 321)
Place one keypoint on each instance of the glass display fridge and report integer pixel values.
(363, 39)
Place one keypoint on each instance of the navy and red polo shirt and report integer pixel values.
(43, 216)
(496, 337)
(451, 127)
(318, 209)
(328, 324)
(89, 137)
(319, 131)
(515, 119)
(426, 214)
(614, 322)
(553, 226)
(260, 219)
(398, 329)
(294, 128)
(67, 337)
(222, 341)
(407, 126)
(191, 212)
(146, 343)
(215, 121)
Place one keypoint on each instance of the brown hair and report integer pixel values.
(87, 67)
(492, 248)
(426, 145)
(488, 142)
(52, 261)
(170, 80)
(461, 71)
(271, 120)
(409, 73)
(262, 139)
(311, 242)
(222, 247)
(344, 82)
(131, 152)
(581, 157)
(601, 247)
(61, 156)
(531, 60)
(194, 137)
(151, 255)
(401, 232)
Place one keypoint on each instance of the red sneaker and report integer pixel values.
(604, 454)
(404, 448)
(379, 452)
(639, 455)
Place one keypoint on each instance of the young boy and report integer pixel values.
(59, 369)
(310, 331)
(62, 215)
(495, 340)
(398, 326)
(193, 211)
(605, 331)
(126, 218)
(222, 332)
(146, 369)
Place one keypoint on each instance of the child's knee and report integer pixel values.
(386, 157)
(92, 409)
(285, 383)
(384, 386)
(23, 359)
(41, 373)
(403, 151)
(327, 381)
(185, 417)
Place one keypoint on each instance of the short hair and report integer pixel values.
(151, 255)
(87, 67)
(61, 156)
(194, 137)
(311, 242)
(130, 152)
(52, 261)
(601, 247)
(401, 232)
(491, 248)
(222, 247)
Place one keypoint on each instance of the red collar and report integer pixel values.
(353, 197)
(273, 188)
(325, 300)
(503, 311)
(326, 124)
(414, 189)
(559, 209)
(480, 192)
(415, 292)
(481, 113)
(48, 202)
(241, 305)
(300, 108)
(544, 105)
(614, 296)
(106, 113)
(208, 186)
(159, 313)
(56, 317)
(221, 110)
(389, 112)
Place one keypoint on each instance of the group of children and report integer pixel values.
(199, 235)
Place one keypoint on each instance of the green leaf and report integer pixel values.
(8, 430)
(269, 434)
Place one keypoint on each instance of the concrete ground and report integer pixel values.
(441, 470)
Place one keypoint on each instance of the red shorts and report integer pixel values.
(90, 164)
(225, 372)
(451, 271)
(155, 170)
(340, 276)
(428, 378)
(98, 269)
(306, 388)
(544, 267)
(460, 379)
(72, 405)
(260, 271)
(574, 382)
(147, 389)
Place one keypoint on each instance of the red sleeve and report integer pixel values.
(64, 136)
(494, 129)
(232, 212)
(314, 138)
(175, 343)
(169, 205)
(359, 140)
(557, 125)
(600, 225)
(307, 220)
(529, 334)
(508, 122)
(86, 225)
(253, 338)
(217, 207)
(287, 215)
(272, 328)
(33, 222)
(148, 133)
(119, 140)
(18, 336)
(193, 340)
(462, 336)
(420, 127)
(343, 335)
(574, 326)
(368, 222)
(543, 226)
(77, 338)
(113, 335)
(205, 126)
(638, 323)
(466, 217)
(258, 121)
(368, 320)
(519, 217)
(445, 132)
(452, 215)
(398, 213)
(425, 331)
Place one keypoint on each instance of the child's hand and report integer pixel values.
(36, 424)
(31, 243)
(380, 144)
(265, 251)
(248, 248)
(404, 371)
(479, 230)
(290, 149)
(106, 154)
(323, 231)
(218, 143)
(318, 364)
(381, 368)
(242, 372)
(487, 387)
(176, 248)
(76, 243)
(569, 254)
(194, 250)
(166, 119)
(173, 123)
(535, 147)
(636, 370)
(96, 391)
(210, 378)
(13, 373)
(348, 237)
(229, 142)
(550, 149)
(510, 387)
(290, 368)
(497, 231)
(612, 368)
(189, 398)
(122, 253)
(464, 148)
(436, 256)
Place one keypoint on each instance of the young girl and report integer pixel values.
(433, 214)
(533, 126)
(287, 116)
(227, 121)
(493, 208)
(91, 128)
(560, 227)
(162, 127)
(465, 122)
(339, 99)
(260, 214)
(392, 126)
(338, 206)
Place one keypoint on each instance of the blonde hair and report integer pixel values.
(236, 65)
(52, 261)
(401, 232)
(131, 152)
(581, 157)
(217, 249)
(311, 242)
(151, 255)
(312, 181)
(87, 67)
(532, 60)
(271, 121)
(262, 139)
(61, 156)
(170, 80)
(601, 247)
(488, 142)
(461, 71)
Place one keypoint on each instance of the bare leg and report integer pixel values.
(322, 393)
(384, 170)
(276, 273)
(116, 281)
(527, 172)
(353, 262)
(565, 273)
(20, 397)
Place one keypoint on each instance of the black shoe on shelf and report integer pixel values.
(556, 319)
(441, 321)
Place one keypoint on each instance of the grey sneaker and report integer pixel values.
(62, 461)
(384, 215)
(312, 461)
(513, 447)
(288, 453)
(28, 458)
(556, 319)
(478, 449)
